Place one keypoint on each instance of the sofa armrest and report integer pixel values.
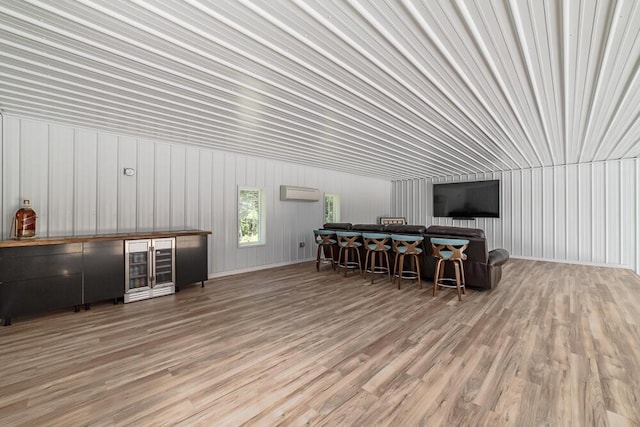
(498, 257)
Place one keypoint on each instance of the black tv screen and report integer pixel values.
(474, 199)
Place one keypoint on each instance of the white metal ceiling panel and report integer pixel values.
(396, 89)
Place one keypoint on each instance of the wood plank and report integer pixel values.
(553, 344)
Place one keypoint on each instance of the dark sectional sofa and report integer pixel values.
(483, 268)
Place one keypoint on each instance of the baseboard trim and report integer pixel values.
(256, 268)
(564, 261)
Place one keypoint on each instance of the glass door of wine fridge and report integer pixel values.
(164, 265)
(137, 270)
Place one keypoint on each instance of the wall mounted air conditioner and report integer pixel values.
(305, 194)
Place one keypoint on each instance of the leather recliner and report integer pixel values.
(482, 268)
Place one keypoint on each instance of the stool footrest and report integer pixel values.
(448, 283)
(408, 274)
(378, 269)
(350, 265)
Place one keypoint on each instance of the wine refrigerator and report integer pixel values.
(149, 268)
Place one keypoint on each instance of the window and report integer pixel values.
(251, 222)
(331, 208)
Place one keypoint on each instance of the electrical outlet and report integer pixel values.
(301, 244)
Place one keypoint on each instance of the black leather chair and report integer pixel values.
(482, 268)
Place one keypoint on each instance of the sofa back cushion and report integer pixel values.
(405, 229)
(456, 231)
(367, 227)
(337, 226)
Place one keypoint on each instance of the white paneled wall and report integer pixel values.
(587, 213)
(75, 181)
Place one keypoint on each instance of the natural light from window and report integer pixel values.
(331, 208)
(251, 216)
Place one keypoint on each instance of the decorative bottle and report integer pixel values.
(25, 221)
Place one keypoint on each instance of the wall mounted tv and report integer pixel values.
(472, 199)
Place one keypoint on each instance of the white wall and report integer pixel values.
(586, 213)
(74, 179)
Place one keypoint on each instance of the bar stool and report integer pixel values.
(325, 239)
(451, 250)
(349, 243)
(403, 246)
(377, 244)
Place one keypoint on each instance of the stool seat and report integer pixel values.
(403, 246)
(373, 246)
(449, 250)
(346, 244)
(403, 249)
(446, 254)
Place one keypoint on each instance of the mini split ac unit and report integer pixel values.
(304, 194)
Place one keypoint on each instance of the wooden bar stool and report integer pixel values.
(403, 246)
(377, 244)
(349, 243)
(325, 239)
(451, 250)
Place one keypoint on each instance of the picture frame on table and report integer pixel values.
(386, 220)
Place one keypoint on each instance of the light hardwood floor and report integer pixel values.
(553, 344)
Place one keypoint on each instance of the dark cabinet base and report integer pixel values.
(191, 260)
(34, 279)
(103, 270)
(38, 295)
(41, 275)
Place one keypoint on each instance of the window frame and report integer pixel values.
(262, 239)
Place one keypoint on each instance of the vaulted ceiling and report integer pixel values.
(395, 89)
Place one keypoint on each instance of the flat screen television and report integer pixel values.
(472, 199)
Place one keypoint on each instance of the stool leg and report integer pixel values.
(366, 261)
(357, 254)
(412, 263)
(464, 281)
(333, 260)
(436, 276)
(318, 258)
(395, 268)
(456, 268)
(418, 270)
(346, 260)
(386, 255)
(373, 266)
(401, 266)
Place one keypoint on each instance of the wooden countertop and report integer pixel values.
(99, 237)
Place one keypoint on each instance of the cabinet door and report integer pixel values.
(40, 278)
(103, 270)
(36, 262)
(191, 259)
(37, 295)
